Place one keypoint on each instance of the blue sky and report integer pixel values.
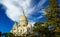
(10, 11)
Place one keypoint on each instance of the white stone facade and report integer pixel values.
(23, 27)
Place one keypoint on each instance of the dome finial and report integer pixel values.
(22, 12)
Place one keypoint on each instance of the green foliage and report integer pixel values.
(37, 26)
(53, 13)
(8, 34)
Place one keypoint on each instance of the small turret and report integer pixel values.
(29, 25)
(14, 29)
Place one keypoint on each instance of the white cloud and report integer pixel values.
(13, 11)
(14, 8)
(39, 17)
(43, 11)
(38, 6)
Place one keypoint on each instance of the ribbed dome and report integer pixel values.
(22, 17)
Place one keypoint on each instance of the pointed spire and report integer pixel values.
(23, 12)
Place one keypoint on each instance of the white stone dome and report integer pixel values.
(23, 17)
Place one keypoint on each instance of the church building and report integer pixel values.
(23, 27)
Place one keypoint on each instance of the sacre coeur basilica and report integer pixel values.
(23, 27)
